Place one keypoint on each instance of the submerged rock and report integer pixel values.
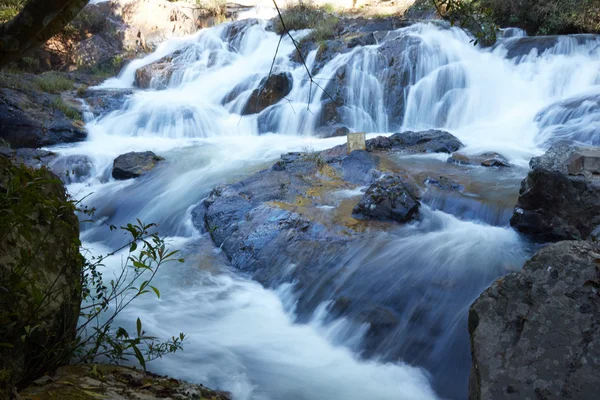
(113, 382)
(270, 91)
(535, 333)
(560, 197)
(33, 158)
(488, 159)
(133, 165)
(388, 199)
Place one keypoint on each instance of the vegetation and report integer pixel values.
(9, 9)
(59, 105)
(538, 17)
(53, 82)
(46, 285)
(306, 15)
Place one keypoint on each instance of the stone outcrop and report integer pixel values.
(32, 118)
(535, 333)
(112, 382)
(134, 164)
(270, 91)
(388, 199)
(560, 197)
(40, 273)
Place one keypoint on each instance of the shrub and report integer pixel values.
(306, 15)
(59, 105)
(9, 9)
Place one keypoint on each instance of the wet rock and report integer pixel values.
(102, 102)
(431, 141)
(270, 91)
(488, 159)
(33, 158)
(560, 197)
(133, 165)
(379, 143)
(73, 168)
(332, 131)
(535, 333)
(114, 382)
(524, 46)
(30, 118)
(156, 75)
(388, 199)
(444, 183)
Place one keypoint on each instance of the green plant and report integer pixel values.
(469, 15)
(313, 157)
(9, 9)
(46, 285)
(306, 15)
(53, 82)
(70, 112)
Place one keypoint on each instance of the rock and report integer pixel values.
(133, 165)
(431, 141)
(270, 91)
(32, 158)
(388, 199)
(332, 131)
(522, 47)
(379, 143)
(30, 118)
(555, 203)
(113, 382)
(102, 102)
(535, 333)
(73, 168)
(488, 159)
(40, 274)
(156, 75)
(444, 183)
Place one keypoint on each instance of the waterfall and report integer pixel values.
(515, 98)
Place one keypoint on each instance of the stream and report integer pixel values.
(274, 343)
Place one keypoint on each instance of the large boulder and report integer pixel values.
(560, 197)
(431, 141)
(486, 159)
(134, 164)
(270, 91)
(40, 274)
(535, 333)
(388, 199)
(31, 118)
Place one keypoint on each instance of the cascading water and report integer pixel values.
(259, 343)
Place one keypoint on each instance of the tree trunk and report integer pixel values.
(36, 23)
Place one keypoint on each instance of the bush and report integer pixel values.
(306, 15)
(59, 105)
(9, 9)
(52, 82)
(46, 286)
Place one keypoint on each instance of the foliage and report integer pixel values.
(313, 157)
(59, 104)
(42, 268)
(9, 9)
(52, 82)
(306, 15)
(471, 16)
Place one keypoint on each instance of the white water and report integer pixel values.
(244, 338)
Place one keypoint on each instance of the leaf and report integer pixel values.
(139, 327)
(133, 247)
(155, 291)
(139, 356)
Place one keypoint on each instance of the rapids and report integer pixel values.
(251, 340)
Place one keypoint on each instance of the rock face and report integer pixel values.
(33, 158)
(535, 333)
(388, 199)
(155, 75)
(111, 382)
(560, 197)
(31, 118)
(133, 165)
(270, 91)
(40, 272)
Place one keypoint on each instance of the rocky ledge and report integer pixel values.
(112, 382)
(535, 333)
(560, 198)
